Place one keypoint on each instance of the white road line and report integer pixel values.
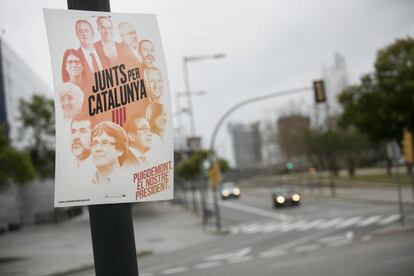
(235, 230)
(252, 228)
(254, 210)
(348, 222)
(346, 236)
(368, 221)
(303, 239)
(207, 265)
(274, 227)
(310, 224)
(230, 255)
(292, 226)
(307, 248)
(273, 253)
(389, 219)
(146, 274)
(329, 223)
(174, 270)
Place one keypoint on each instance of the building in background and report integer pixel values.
(247, 145)
(17, 81)
(32, 203)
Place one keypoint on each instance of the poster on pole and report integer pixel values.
(114, 135)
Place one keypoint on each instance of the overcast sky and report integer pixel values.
(270, 45)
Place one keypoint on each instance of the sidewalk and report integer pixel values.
(56, 249)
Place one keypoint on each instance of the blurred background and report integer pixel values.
(293, 142)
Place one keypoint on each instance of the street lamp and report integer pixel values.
(186, 60)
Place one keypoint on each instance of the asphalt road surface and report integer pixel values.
(322, 236)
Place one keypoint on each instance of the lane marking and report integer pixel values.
(368, 221)
(347, 236)
(207, 265)
(252, 228)
(311, 224)
(306, 248)
(253, 210)
(304, 239)
(273, 253)
(273, 227)
(292, 226)
(329, 223)
(230, 255)
(389, 219)
(174, 270)
(146, 274)
(348, 222)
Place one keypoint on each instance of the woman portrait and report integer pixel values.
(70, 99)
(72, 68)
(156, 116)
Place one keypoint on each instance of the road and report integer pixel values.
(323, 236)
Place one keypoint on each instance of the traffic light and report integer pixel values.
(319, 90)
(407, 145)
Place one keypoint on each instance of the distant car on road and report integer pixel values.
(229, 190)
(285, 196)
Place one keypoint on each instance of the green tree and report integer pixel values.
(38, 129)
(382, 105)
(191, 168)
(15, 165)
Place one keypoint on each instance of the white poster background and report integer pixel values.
(74, 185)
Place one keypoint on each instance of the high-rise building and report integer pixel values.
(247, 145)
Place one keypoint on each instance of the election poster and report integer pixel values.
(114, 135)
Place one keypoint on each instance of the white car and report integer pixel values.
(229, 190)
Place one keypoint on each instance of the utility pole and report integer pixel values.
(112, 229)
(187, 85)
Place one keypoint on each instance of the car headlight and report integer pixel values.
(280, 199)
(236, 191)
(225, 193)
(296, 197)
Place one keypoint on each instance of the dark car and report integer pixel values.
(285, 196)
(229, 190)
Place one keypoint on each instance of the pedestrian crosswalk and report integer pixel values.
(314, 224)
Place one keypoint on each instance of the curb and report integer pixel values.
(142, 253)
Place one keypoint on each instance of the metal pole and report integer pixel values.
(217, 209)
(189, 97)
(412, 179)
(203, 184)
(397, 178)
(112, 228)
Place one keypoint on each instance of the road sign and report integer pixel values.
(393, 151)
(215, 175)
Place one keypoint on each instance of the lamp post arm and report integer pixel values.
(248, 101)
